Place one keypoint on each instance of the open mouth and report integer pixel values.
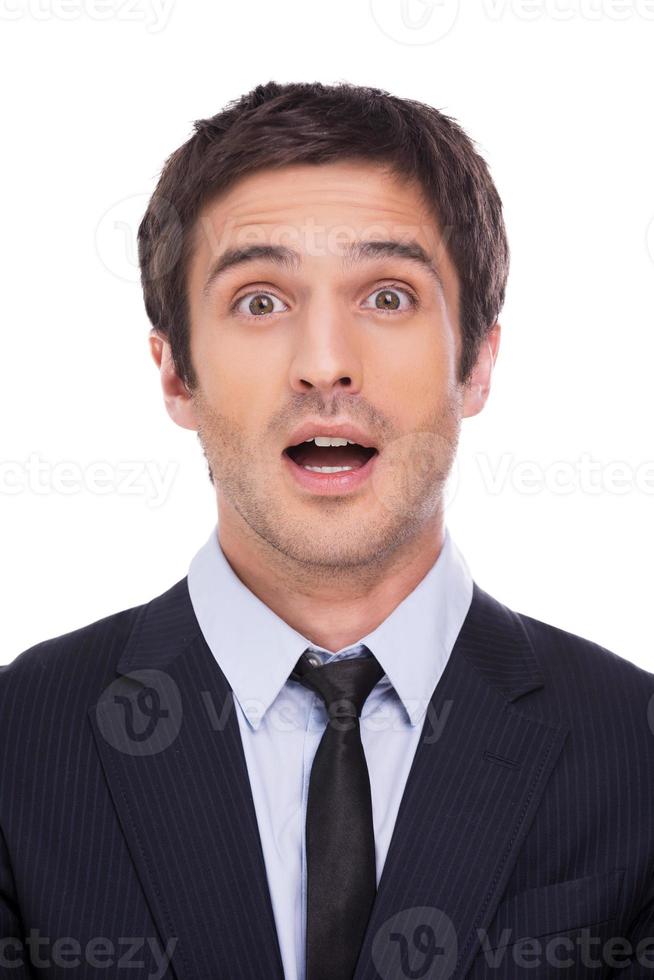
(330, 458)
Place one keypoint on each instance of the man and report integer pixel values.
(325, 752)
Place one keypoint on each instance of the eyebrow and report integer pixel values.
(288, 258)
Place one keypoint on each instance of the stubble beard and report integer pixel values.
(331, 536)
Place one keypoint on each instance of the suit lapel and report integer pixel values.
(476, 780)
(168, 737)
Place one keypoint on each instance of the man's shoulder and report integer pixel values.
(568, 655)
(605, 700)
(88, 651)
(64, 650)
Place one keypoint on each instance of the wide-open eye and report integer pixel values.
(259, 304)
(388, 299)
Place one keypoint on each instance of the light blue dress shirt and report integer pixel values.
(281, 721)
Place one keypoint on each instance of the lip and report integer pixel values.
(330, 484)
(344, 430)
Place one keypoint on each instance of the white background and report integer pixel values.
(558, 97)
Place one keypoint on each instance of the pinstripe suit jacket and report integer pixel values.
(128, 831)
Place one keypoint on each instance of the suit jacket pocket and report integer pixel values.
(562, 931)
(557, 908)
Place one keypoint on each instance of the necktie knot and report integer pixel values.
(343, 685)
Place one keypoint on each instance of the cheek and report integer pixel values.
(415, 372)
(243, 381)
(225, 357)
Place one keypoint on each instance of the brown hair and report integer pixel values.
(275, 125)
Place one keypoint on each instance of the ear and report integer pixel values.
(477, 389)
(177, 397)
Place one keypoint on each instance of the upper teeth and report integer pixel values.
(330, 441)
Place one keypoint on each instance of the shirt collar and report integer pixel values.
(257, 650)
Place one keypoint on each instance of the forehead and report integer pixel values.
(359, 186)
(316, 209)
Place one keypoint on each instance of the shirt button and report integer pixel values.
(313, 660)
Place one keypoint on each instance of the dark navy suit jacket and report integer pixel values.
(127, 823)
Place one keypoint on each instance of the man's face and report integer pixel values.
(371, 340)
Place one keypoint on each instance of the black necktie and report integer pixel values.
(340, 842)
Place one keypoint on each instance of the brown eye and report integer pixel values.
(260, 304)
(387, 300)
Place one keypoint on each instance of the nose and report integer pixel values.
(327, 354)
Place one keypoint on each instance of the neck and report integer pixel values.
(332, 607)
